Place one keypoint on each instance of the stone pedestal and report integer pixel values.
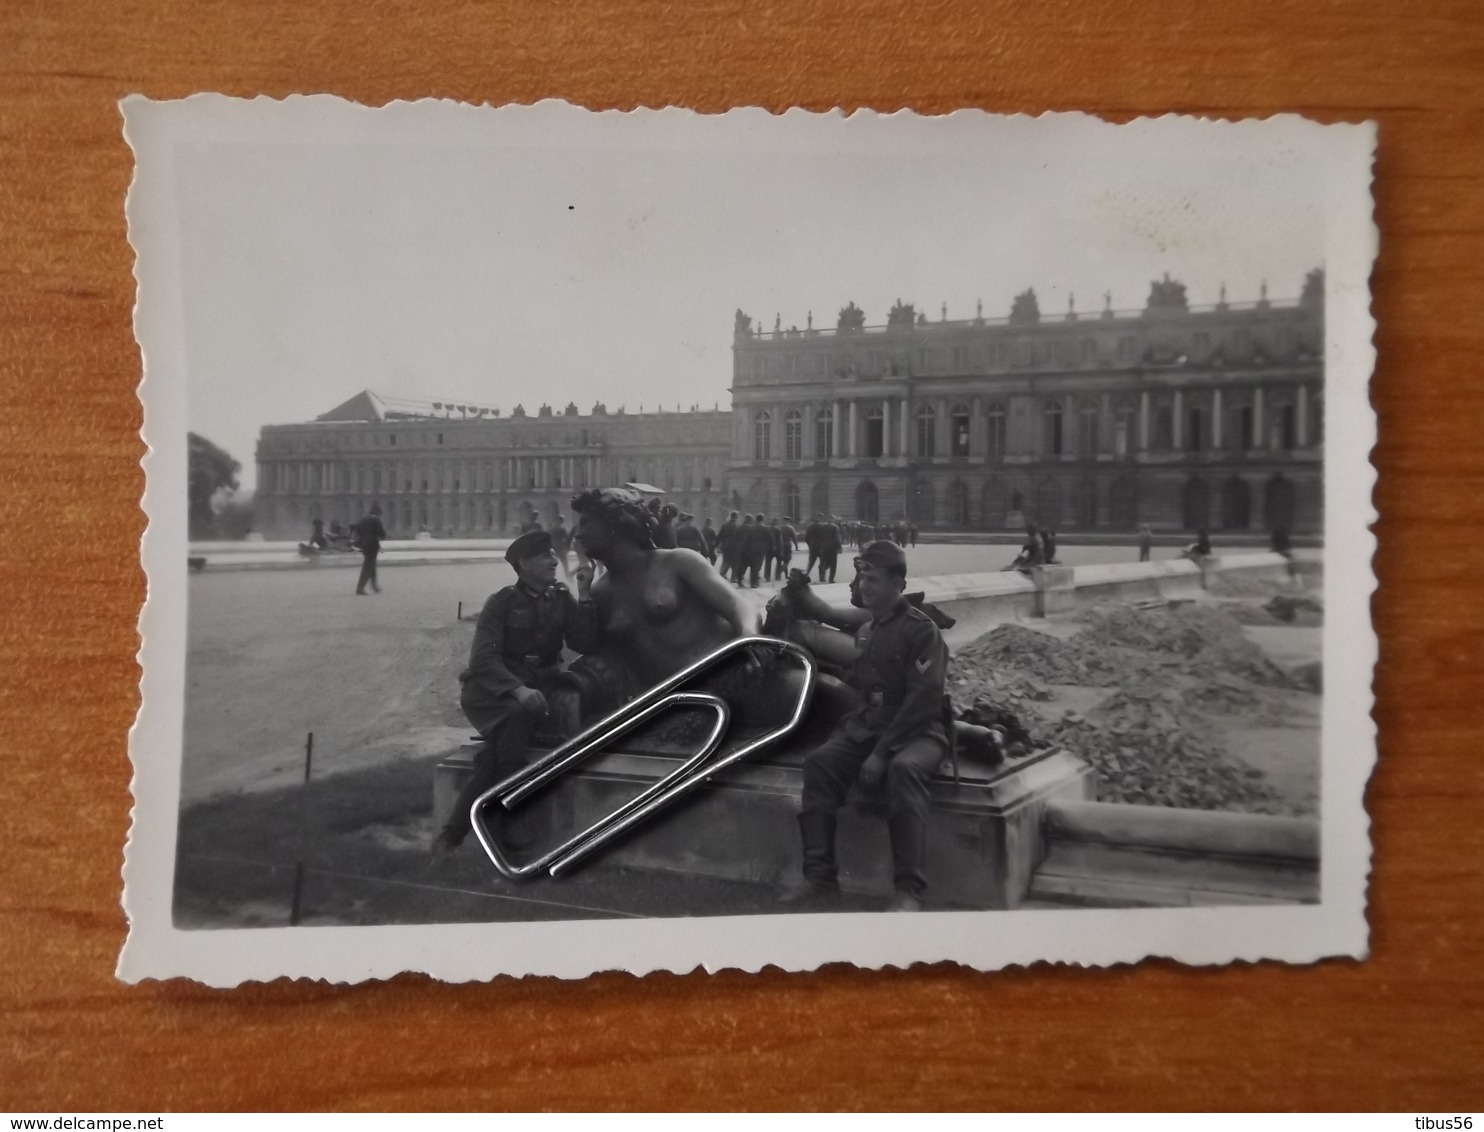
(1056, 590)
(985, 837)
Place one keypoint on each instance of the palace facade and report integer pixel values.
(1175, 416)
(463, 470)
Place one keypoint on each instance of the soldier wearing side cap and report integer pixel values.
(514, 664)
(898, 733)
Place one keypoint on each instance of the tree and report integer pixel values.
(209, 469)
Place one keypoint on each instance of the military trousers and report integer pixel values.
(829, 772)
(506, 749)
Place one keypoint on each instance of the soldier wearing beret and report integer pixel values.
(898, 733)
(514, 664)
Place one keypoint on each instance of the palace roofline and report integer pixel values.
(369, 406)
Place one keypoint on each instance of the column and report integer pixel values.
(850, 438)
(886, 426)
(1216, 419)
(1144, 421)
(837, 429)
(976, 428)
(906, 427)
(1301, 415)
(1177, 425)
(1259, 420)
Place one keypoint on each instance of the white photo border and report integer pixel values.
(156, 949)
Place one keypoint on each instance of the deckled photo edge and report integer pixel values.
(156, 949)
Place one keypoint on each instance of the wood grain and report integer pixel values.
(1402, 1030)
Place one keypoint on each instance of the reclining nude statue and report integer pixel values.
(660, 610)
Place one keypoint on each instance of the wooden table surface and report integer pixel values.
(1402, 1030)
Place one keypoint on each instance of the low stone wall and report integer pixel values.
(1109, 853)
(984, 841)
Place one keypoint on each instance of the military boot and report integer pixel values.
(909, 857)
(818, 885)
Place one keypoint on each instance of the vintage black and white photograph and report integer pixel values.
(596, 540)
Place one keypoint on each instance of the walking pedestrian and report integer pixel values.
(367, 534)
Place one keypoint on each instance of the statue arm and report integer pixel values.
(714, 593)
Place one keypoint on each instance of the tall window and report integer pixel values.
(762, 430)
(1244, 428)
(875, 432)
(1052, 424)
(927, 430)
(1195, 438)
(959, 422)
(1287, 428)
(1122, 429)
(1087, 431)
(792, 505)
(793, 435)
(824, 434)
(995, 418)
(1164, 430)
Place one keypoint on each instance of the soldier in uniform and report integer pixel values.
(787, 537)
(708, 533)
(513, 666)
(899, 732)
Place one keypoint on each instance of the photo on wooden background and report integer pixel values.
(650, 540)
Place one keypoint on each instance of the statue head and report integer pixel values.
(609, 516)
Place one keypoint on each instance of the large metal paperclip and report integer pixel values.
(690, 775)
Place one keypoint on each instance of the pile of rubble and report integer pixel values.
(1147, 750)
(1153, 741)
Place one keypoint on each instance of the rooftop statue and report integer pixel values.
(571, 409)
(902, 316)
(742, 327)
(852, 319)
(544, 411)
(599, 409)
(518, 411)
(1025, 311)
(1167, 294)
(1313, 293)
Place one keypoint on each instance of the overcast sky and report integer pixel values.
(505, 273)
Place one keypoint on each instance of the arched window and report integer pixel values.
(762, 434)
(995, 419)
(793, 435)
(824, 434)
(959, 422)
(927, 430)
(1053, 443)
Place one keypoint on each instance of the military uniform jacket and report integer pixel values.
(901, 670)
(518, 641)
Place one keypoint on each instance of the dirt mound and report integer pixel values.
(1208, 641)
(1157, 739)
(1147, 749)
(1026, 653)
